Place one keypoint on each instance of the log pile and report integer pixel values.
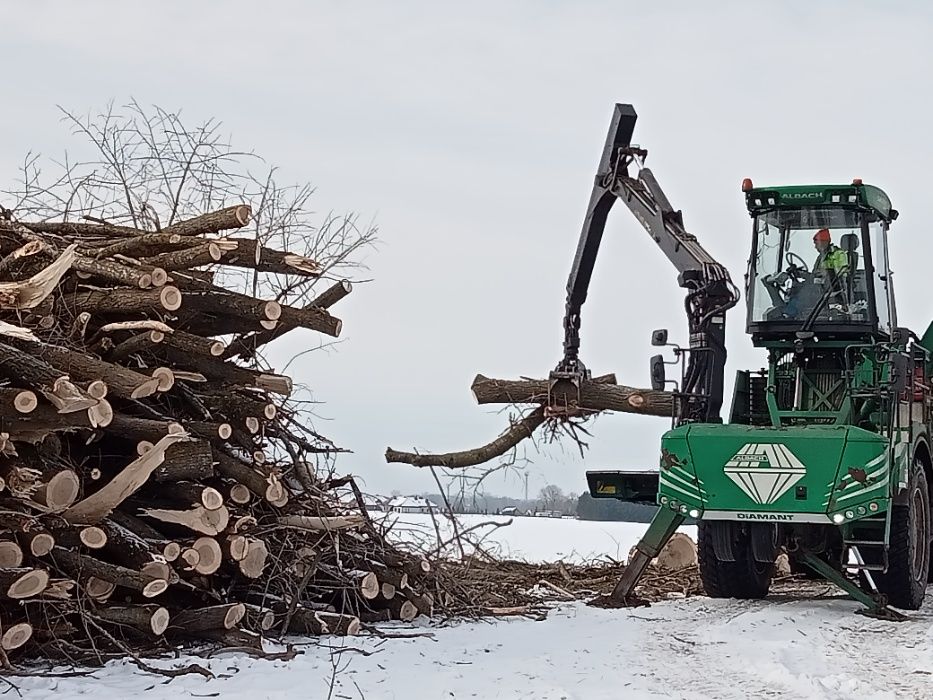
(153, 487)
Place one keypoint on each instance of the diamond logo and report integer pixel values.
(765, 472)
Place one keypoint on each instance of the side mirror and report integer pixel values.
(659, 337)
(658, 375)
(900, 371)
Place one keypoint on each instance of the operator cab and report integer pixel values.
(819, 262)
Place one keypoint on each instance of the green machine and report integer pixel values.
(826, 454)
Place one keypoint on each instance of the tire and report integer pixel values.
(743, 578)
(905, 581)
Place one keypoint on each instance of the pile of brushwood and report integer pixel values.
(153, 488)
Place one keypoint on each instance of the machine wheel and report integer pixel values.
(905, 581)
(742, 578)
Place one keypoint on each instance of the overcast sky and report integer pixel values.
(470, 133)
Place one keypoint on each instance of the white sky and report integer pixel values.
(470, 133)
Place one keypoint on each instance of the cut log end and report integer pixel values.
(30, 583)
(170, 298)
(166, 378)
(211, 498)
(154, 587)
(209, 555)
(41, 544)
(240, 494)
(60, 491)
(11, 555)
(158, 623)
(171, 551)
(25, 402)
(159, 277)
(97, 389)
(93, 537)
(101, 415)
(98, 589)
(157, 569)
(16, 636)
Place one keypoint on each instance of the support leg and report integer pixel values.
(876, 603)
(663, 526)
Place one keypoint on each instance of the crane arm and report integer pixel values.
(710, 291)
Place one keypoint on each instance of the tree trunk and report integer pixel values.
(594, 396)
(517, 431)
(213, 222)
(28, 371)
(304, 621)
(80, 565)
(213, 618)
(191, 460)
(127, 301)
(246, 347)
(150, 619)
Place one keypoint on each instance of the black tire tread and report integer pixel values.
(729, 579)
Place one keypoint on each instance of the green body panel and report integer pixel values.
(796, 474)
(856, 196)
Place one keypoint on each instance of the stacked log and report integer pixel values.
(153, 486)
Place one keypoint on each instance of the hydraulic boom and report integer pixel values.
(710, 291)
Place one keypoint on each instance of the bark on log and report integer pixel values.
(150, 619)
(190, 460)
(127, 301)
(114, 271)
(304, 621)
(249, 254)
(243, 473)
(141, 246)
(594, 396)
(121, 382)
(402, 609)
(26, 370)
(80, 565)
(127, 548)
(212, 618)
(191, 343)
(246, 346)
(517, 431)
(213, 222)
(191, 494)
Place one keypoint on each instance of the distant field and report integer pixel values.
(527, 538)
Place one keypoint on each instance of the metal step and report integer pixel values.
(864, 543)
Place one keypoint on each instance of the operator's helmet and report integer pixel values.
(822, 236)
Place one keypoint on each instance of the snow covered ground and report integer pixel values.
(786, 647)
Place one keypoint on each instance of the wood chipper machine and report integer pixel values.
(826, 454)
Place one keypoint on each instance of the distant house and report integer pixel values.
(409, 504)
(374, 504)
(511, 510)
